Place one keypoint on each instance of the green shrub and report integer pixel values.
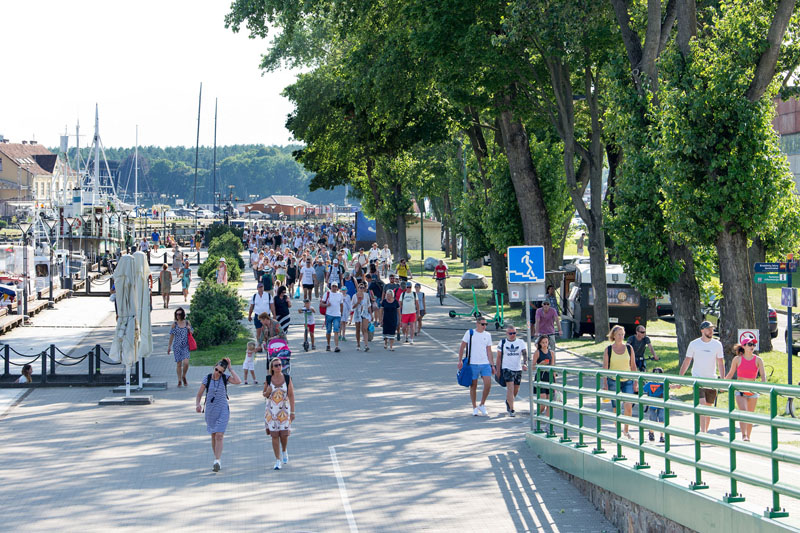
(228, 246)
(3, 224)
(208, 270)
(215, 313)
(217, 229)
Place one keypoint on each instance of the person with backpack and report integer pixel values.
(261, 302)
(477, 343)
(335, 274)
(216, 405)
(619, 356)
(279, 413)
(512, 359)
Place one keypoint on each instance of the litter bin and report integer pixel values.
(566, 328)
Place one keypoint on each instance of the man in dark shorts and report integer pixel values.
(639, 342)
(705, 354)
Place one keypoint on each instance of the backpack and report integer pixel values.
(266, 279)
(286, 376)
(224, 382)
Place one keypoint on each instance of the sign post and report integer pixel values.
(526, 267)
(780, 273)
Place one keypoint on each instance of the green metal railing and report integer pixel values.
(582, 384)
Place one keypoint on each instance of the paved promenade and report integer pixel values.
(383, 441)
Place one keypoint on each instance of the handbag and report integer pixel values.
(499, 377)
(192, 342)
(323, 305)
(464, 376)
(297, 292)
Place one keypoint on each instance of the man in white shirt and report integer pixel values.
(512, 359)
(478, 343)
(261, 302)
(374, 253)
(333, 301)
(705, 354)
(307, 279)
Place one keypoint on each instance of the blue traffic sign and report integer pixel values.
(526, 264)
(783, 266)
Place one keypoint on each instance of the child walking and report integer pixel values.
(655, 389)
(249, 364)
(308, 312)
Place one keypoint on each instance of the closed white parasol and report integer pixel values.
(143, 304)
(126, 337)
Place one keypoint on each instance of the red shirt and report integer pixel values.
(440, 271)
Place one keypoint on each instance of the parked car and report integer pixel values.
(712, 313)
(795, 334)
(664, 305)
(205, 213)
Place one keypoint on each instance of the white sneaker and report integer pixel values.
(475, 412)
(412, 341)
(277, 465)
(482, 409)
(285, 457)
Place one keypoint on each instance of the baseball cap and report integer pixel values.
(259, 284)
(705, 324)
(334, 284)
(749, 341)
(335, 261)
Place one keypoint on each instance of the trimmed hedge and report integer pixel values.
(217, 229)
(215, 313)
(208, 270)
(228, 246)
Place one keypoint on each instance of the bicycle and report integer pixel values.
(440, 289)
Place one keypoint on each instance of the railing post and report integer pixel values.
(43, 356)
(580, 443)
(97, 358)
(565, 437)
(598, 404)
(617, 409)
(697, 484)
(52, 359)
(641, 464)
(733, 495)
(6, 360)
(776, 511)
(91, 366)
(667, 472)
(551, 380)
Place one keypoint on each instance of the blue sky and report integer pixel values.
(142, 62)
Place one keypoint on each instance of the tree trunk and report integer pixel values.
(685, 296)
(535, 222)
(736, 310)
(757, 254)
(597, 262)
(499, 282)
(402, 243)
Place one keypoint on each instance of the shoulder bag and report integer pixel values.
(498, 377)
(464, 376)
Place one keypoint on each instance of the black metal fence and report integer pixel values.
(52, 358)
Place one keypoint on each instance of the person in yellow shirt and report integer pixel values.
(402, 270)
(619, 357)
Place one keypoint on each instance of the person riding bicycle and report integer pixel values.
(440, 275)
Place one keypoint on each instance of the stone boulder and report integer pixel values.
(430, 263)
(470, 279)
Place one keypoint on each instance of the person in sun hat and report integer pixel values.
(222, 272)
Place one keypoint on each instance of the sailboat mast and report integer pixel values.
(214, 199)
(136, 170)
(96, 176)
(197, 145)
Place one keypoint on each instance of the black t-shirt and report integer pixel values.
(376, 289)
(638, 349)
(281, 306)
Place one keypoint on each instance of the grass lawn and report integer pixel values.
(235, 350)
(775, 365)
(456, 270)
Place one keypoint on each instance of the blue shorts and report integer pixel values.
(655, 414)
(626, 386)
(332, 323)
(481, 370)
(257, 323)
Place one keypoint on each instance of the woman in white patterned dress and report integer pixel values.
(279, 414)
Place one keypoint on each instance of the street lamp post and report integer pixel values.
(25, 227)
(50, 300)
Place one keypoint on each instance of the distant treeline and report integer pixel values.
(251, 168)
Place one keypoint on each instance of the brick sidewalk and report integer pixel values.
(411, 456)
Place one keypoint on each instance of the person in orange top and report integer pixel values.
(747, 366)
